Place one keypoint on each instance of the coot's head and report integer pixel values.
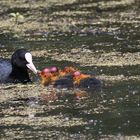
(23, 59)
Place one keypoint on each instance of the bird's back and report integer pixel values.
(5, 70)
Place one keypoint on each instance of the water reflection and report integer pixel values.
(112, 113)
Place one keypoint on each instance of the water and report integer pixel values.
(112, 113)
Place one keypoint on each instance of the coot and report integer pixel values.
(15, 70)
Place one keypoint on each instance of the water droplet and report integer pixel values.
(66, 100)
(100, 132)
(66, 118)
(119, 114)
(91, 121)
(121, 99)
(87, 128)
(119, 127)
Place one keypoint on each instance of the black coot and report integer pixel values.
(15, 70)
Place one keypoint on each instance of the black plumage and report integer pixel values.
(16, 69)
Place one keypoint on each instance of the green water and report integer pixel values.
(113, 112)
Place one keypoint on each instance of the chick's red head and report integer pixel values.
(45, 75)
(54, 69)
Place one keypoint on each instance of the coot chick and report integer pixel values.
(15, 70)
(53, 76)
(90, 83)
(86, 81)
(64, 82)
(68, 78)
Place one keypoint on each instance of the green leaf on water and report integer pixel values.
(12, 14)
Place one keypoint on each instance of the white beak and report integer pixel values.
(30, 64)
(32, 68)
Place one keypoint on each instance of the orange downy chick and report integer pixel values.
(79, 76)
(45, 78)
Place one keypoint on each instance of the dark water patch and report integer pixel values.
(66, 7)
(48, 62)
(95, 5)
(112, 111)
(6, 37)
(93, 40)
(128, 70)
(9, 10)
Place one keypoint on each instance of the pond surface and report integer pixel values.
(106, 45)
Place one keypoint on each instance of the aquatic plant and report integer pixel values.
(17, 17)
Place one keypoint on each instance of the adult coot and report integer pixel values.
(15, 70)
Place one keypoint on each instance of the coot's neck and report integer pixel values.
(19, 75)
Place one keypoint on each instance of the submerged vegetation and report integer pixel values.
(42, 17)
(17, 17)
(96, 37)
